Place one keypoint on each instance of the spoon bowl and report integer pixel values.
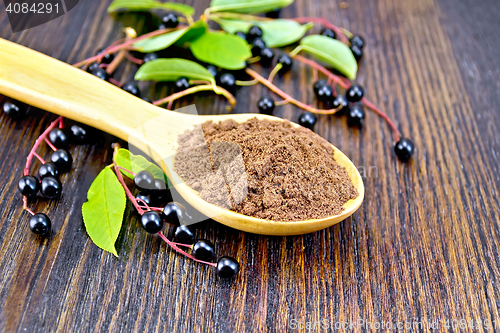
(46, 83)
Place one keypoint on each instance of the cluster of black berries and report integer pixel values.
(154, 192)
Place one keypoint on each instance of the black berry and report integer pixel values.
(266, 57)
(404, 149)
(203, 250)
(62, 159)
(144, 180)
(228, 82)
(266, 105)
(144, 197)
(286, 63)
(318, 84)
(48, 169)
(101, 73)
(308, 120)
(92, 67)
(59, 138)
(227, 267)
(354, 93)
(150, 57)
(358, 41)
(357, 52)
(182, 84)
(40, 224)
(258, 45)
(12, 110)
(253, 33)
(355, 116)
(175, 213)
(51, 187)
(241, 35)
(28, 186)
(183, 234)
(132, 88)
(325, 93)
(151, 222)
(79, 134)
(213, 70)
(108, 58)
(329, 33)
(274, 13)
(170, 20)
(339, 101)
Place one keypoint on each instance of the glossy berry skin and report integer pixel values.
(132, 88)
(170, 20)
(48, 169)
(266, 57)
(144, 197)
(62, 159)
(354, 93)
(308, 120)
(325, 93)
(28, 186)
(286, 63)
(144, 180)
(51, 187)
(175, 213)
(183, 234)
(59, 138)
(318, 84)
(213, 70)
(40, 224)
(227, 267)
(356, 52)
(92, 67)
(404, 149)
(203, 250)
(274, 13)
(329, 33)
(108, 58)
(101, 73)
(339, 100)
(266, 105)
(151, 222)
(12, 110)
(241, 35)
(355, 116)
(182, 84)
(253, 33)
(358, 41)
(150, 57)
(258, 45)
(228, 82)
(79, 134)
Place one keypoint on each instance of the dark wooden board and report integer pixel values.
(423, 247)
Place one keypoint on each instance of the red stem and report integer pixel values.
(38, 141)
(325, 23)
(25, 205)
(39, 158)
(115, 82)
(50, 144)
(174, 246)
(128, 171)
(127, 191)
(384, 116)
(133, 59)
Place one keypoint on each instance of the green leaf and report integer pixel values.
(172, 69)
(181, 37)
(248, 6)
(331, 51)
(145, 5)
(103, 212)
(136, 163)
(276, 33)
(221, 49)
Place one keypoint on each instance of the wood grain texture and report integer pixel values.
(423, 246)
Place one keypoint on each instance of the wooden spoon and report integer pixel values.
(51, 85)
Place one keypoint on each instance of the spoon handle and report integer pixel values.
(49, 84)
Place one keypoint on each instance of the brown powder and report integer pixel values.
(266, 169)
